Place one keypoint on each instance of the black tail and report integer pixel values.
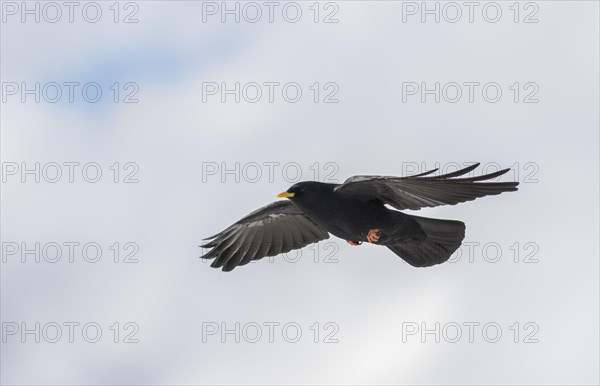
(443, 238)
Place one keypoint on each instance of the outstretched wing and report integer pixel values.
(421, 190)
(273, 229)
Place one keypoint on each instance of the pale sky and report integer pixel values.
(180, 159)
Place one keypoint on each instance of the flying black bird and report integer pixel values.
(356, 211)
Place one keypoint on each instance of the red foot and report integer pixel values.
(373, 235)
(353, 243)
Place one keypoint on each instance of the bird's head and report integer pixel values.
(307, 191)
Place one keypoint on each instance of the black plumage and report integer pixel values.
(356, 211)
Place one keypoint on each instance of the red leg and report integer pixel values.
(373, 235)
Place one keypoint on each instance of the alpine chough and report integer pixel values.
(356, 211)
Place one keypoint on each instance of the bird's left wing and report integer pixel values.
(273, 229)
(422, 190)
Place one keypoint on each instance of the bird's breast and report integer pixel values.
(349, 219)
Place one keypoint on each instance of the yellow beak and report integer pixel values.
(285, 195)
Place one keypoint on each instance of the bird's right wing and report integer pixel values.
(421, 190)
(273, 229)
